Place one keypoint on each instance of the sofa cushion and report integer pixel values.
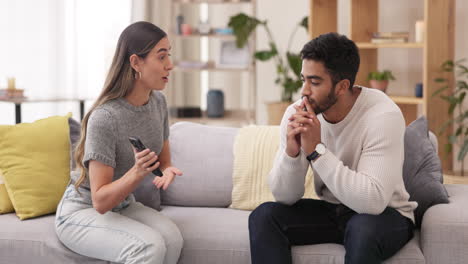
(35, 241)
(255, 148)
(422, 170)
(445, 228)
(35, 163)
(205, 157)
(221, 235)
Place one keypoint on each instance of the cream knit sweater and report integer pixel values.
(362, 167)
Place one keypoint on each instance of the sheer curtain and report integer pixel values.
(57, 48)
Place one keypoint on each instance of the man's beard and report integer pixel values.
(324, 106)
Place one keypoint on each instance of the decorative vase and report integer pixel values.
(379, 85)
(276, 111)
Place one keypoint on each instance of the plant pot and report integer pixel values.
(276, 111)
(379, 85)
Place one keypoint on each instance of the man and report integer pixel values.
(353, 139)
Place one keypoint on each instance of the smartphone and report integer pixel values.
(136, 142)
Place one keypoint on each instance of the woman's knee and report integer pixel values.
(154, 246)
(176, 241)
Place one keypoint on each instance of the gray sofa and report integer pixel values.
(197, 202)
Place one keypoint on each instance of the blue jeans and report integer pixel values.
(275, 227)
(131, 233)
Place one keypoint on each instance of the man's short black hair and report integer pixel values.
(339, 55)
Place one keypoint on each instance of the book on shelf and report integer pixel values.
(400, 34)
(7, 94)
(389, 40)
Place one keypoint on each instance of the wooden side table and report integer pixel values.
(19, 101)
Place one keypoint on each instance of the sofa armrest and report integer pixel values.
(444, 229)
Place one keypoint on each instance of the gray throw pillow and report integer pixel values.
(422, 170)
(75, 131)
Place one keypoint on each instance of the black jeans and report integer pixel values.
(275, 227)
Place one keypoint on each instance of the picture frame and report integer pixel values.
(231, 56)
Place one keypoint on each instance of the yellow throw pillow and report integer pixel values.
(5, 203)
(35, 162)
(255, 148)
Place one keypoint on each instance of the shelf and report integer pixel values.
(411, 100)
(212, 1)
(232, 118)
(211, 69)
(193, 36)
(409, 45)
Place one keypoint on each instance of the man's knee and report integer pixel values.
(361, 241)
(362, 228)
(263, 214)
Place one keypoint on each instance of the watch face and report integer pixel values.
(320, 148)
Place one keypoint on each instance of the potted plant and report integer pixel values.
(380, 79)
(457, 115)
(288, 64)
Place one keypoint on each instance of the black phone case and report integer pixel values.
(136, 142)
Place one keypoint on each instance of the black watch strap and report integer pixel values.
(313, 156)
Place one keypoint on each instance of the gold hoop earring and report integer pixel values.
(137, 76)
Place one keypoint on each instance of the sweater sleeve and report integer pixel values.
(287, 177)
(100, 139)
(369, 188)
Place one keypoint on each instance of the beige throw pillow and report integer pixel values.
(255, 148)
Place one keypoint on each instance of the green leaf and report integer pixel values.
(462, 84)
(451, 108)
(264, 55)
(440, 80)
(447, 66)
(463, 150)
(448, 148)
(452, 139)
(295, 63)
(461, 97)
(445, 125)
(243, 25)
(438, 91)
(385, 75)
(305, 23)
(463, 68)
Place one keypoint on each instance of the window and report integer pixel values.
(57, 48)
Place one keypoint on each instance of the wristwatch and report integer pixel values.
(319, 151)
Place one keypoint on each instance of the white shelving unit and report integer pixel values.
(239, 102)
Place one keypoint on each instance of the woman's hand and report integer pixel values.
(168, 177)
(143, 160)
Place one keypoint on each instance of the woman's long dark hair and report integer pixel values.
(139, 38)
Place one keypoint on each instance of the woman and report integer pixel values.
(98, 216)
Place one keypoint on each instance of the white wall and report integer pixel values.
(461, 49)
(281, 23)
